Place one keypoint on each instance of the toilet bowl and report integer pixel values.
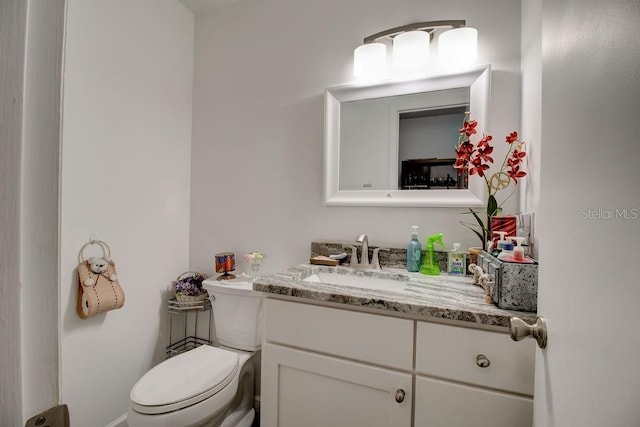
(207, 386)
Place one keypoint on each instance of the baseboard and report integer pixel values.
(121, 421)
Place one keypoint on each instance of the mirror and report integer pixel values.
(392, 144)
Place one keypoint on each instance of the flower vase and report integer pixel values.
(255, 267)
(254, 259)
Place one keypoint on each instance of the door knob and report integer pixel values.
(520, 329)
(400, 395)
(482, 361)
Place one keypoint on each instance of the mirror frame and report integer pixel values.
(478, 79)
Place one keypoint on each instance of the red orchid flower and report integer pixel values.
(469, 127)
(484, 142)
(516, 158)
(461, 165)
(463, 154)
(466, 147)
(478, 166)
(512, 137)
(516, 173)
(479, 169)
(484, 152)
(518, 154)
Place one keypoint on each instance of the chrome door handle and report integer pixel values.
(520, 329)
(400, 395)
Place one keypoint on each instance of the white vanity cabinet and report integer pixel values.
(325, 366)
(301, 388)
(330, 367)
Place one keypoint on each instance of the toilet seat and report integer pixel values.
(184, 380)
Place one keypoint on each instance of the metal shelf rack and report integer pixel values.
(190, 341)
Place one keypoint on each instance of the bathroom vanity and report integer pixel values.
(428, 352)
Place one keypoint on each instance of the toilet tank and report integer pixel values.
(237, 313)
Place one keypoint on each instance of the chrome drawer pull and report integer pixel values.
(482, 361)
(400, 395)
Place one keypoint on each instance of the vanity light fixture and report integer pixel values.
(457, 46)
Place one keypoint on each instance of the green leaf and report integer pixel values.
(477, 217)
(481, 235)
(492, 206)
(472, 229)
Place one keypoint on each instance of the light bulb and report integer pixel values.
(458, 47)
(411, 49)
(370, 60)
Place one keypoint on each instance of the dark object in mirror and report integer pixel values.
(427, 174)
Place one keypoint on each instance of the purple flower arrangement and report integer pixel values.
(189, 284)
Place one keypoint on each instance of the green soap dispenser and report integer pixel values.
(430, 265)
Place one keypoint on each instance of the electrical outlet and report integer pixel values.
(58, 416)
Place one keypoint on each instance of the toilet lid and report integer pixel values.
(185, 379)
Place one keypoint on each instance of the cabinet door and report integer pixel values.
(445, 404)
(300, 388)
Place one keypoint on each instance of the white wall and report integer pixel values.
(125, 177)
(13, 18)
(39, 272)
(433, 136)
(589, 375)
(258, 121)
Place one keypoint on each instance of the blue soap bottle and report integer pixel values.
(414, 251)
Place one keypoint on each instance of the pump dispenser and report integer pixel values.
(497, 248)
(414, 251)
(430, 265)
(503, 239)
(518, 251)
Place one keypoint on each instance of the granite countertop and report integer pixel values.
(420, 297)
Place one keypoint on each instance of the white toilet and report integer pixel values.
(208, 386)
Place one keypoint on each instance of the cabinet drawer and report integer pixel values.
(381, 340)
(444, 404)
(452, 352)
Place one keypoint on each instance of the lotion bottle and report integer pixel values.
(414, 251)
(507, 252)
(518, 251)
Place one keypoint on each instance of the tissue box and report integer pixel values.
(515, 285)
(503, 223)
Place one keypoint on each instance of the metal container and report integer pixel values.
(515, 284)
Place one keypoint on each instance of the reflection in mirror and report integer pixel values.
(407, 141)
(426, 148)
(394, 143)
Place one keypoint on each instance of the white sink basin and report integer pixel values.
(395, 282)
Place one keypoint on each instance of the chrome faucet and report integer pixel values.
(364, 258)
